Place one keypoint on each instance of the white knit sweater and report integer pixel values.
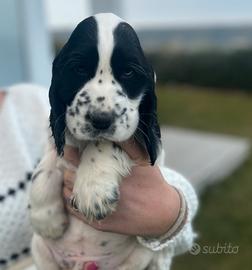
(23, 134)
(23, 122)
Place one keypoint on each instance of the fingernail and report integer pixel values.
(90, 266)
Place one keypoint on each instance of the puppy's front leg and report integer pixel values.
(47, 212)
(96, 189)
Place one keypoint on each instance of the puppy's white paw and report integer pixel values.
(96, 201)
(50, 221)
(96, 188)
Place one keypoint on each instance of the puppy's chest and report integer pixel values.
(81, 243)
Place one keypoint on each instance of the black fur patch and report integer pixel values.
(77, 111)
(87, 100)
(75, 64)
(120, 93)
(83, 94)
(79, 102)
(132, 70)
(71, 113)
(124, 111)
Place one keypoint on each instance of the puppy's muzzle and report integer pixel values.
(101, 120)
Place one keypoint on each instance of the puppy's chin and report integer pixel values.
(82, 130)
(118, 135)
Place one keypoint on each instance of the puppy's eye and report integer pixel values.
(127, 73)
(81, 70)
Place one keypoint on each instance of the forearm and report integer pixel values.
(164, 205)
(182, 239)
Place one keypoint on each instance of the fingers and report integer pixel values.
(69, 177)
(67, 195)
(135, 151)
(71, 154)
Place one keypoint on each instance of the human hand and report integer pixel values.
(148, 206)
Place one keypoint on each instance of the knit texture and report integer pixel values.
(23, 133)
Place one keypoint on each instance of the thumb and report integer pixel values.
(90, 266)
(135, 151)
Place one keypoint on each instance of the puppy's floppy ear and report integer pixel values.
(148, 128)
(57, 115)
(65, 81)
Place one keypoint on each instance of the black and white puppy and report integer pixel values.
(102, 91)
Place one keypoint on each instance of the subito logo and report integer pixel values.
(195, 250)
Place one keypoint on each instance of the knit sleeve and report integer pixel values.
(183, 240)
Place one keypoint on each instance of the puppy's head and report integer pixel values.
(103, 87)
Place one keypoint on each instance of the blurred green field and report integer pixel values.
(225, 209)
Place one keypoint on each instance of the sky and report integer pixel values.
(179, 12)
(65, 14)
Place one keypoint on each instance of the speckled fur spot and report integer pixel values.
(100, 99)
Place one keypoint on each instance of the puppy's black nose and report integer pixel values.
(101, 120)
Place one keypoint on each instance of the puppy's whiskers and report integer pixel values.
(138, 128)
(152, 114)
(143, 122)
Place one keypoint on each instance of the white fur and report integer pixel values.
(106, 26)
(96, 189)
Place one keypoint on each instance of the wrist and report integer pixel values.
(163, 213)
(170, 210)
